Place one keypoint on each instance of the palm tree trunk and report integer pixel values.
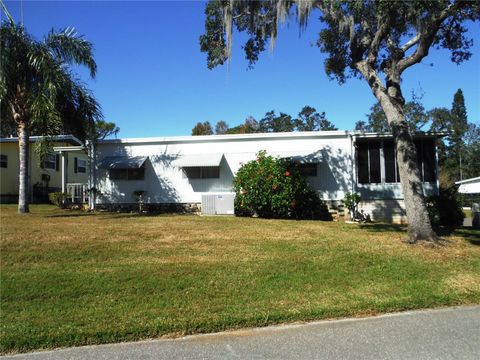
(23, 176)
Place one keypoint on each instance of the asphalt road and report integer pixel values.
(450, 333)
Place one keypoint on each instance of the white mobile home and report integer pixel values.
(176, 171)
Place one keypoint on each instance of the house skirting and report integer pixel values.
(8, 198)
(181, 208)
(391, 210)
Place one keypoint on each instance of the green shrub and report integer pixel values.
(273, 188)
(139, 197)
(351, 201)
(445, 209)
(58, 198)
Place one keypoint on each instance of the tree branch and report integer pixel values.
(377, 40)
(410, 43)
(374, 81)
(426, 38)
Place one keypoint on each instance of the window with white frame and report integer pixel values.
(50, 162)
(3, 161)
(80, 166)
(377, 161)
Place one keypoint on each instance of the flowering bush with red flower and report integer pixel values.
(273, 188)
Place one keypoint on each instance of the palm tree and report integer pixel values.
(39, 91)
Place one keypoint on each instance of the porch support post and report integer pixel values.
(63, 154)
(91, 175)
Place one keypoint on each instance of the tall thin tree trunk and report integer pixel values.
(23, 175)
(419, 224)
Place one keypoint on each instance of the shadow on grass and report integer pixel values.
(126, 215)
(81, 214)
(468, 233)
(104, 215)
(383, 227)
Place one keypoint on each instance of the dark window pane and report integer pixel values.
(193, 172)
(81, 166)
(362, 162)
(390, 163)
(211, 172)
(118, 174)
(136, 174)
(374, 155)
(428, 155)
(307, 169)
(3, 161)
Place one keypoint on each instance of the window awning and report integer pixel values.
(122, 162)
(198, 160)
(301, 157)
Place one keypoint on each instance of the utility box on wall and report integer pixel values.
(218, 204)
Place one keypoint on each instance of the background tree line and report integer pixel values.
(308, 119)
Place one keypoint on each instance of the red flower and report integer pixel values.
(287, 173)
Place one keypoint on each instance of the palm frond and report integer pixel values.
(71, 48)
(7, 14)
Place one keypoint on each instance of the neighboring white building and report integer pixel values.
(469, 186)
(179, 170)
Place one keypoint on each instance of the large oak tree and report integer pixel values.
(374, 40)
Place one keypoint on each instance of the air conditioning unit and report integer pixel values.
(218, 204)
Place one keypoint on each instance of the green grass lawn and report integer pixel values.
(71, 278)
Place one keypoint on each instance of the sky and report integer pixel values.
(153, 80)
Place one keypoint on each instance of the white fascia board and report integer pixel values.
(233, 137)
(69, 148)
(56, 138)
(475, 179)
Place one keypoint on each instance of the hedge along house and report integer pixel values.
(174, 172)
(58, 172)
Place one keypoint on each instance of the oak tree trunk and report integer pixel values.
(23, 175)
(419, 224)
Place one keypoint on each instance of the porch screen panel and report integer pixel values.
(374, 157)
(362, 161)
(390, 163)
(428, 157)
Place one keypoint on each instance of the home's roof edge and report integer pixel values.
(71, 138)
(364, 134)
(227, 137)
(253, 136)
(467, 180)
